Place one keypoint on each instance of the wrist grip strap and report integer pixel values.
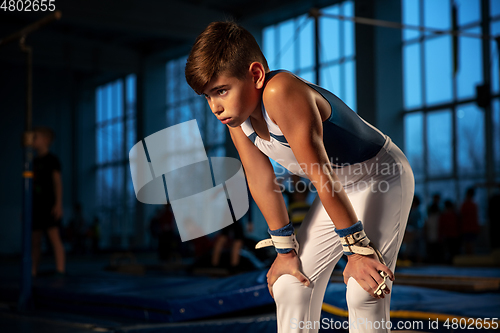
(283, 240)
(383, 274)
(382, 285)
(282, 244)
(358, 242)
(354, 240)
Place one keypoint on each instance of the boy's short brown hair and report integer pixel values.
(222, 48)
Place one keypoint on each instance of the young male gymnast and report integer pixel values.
(364, 182)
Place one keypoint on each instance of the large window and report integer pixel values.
(445, 128)
(290, 45)
(115, 136)
(495, 76)
(183, 104)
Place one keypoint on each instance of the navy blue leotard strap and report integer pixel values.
(346, 137)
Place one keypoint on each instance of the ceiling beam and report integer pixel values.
(155, 18)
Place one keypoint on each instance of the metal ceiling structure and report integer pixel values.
(95, 36)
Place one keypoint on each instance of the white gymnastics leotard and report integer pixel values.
(379, 182)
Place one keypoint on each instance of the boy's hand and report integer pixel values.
(287, 263)
(57, 211)
(365, 270)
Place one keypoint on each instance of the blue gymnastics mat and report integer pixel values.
(186, 304)
(156, 299)
(485, 272)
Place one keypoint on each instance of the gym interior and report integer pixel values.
(103, 76)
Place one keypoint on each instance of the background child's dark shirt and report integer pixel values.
(44, 196)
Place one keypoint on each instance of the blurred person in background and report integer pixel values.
(449, 231)
(47, 200)
(469, 214)
(433, 247)
(412, 248)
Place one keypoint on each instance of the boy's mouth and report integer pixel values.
(225, 120)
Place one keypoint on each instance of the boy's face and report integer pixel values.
(40, 140)
(232, 100)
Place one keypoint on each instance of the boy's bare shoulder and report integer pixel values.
(281, 85)
(284, 91)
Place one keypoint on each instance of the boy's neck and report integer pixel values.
(257, 114)
(42, 151)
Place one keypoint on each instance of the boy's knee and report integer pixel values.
(288, 290)
(357, 297)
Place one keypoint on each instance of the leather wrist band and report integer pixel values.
(283, 240)
(354, 240)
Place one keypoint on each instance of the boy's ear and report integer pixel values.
(258, 74)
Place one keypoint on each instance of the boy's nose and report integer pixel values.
(216, 108)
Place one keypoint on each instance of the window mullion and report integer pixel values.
(124, 163)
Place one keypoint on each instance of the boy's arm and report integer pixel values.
(58, 188)
(296, 113)
(267, 195)
(261, 180)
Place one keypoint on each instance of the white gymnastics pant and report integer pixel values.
(381, 191)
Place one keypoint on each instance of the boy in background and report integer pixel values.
(469, 213)
(47, 200)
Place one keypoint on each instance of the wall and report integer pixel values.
(51, 107)
(379, 71)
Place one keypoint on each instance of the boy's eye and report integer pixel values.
(221, 92)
